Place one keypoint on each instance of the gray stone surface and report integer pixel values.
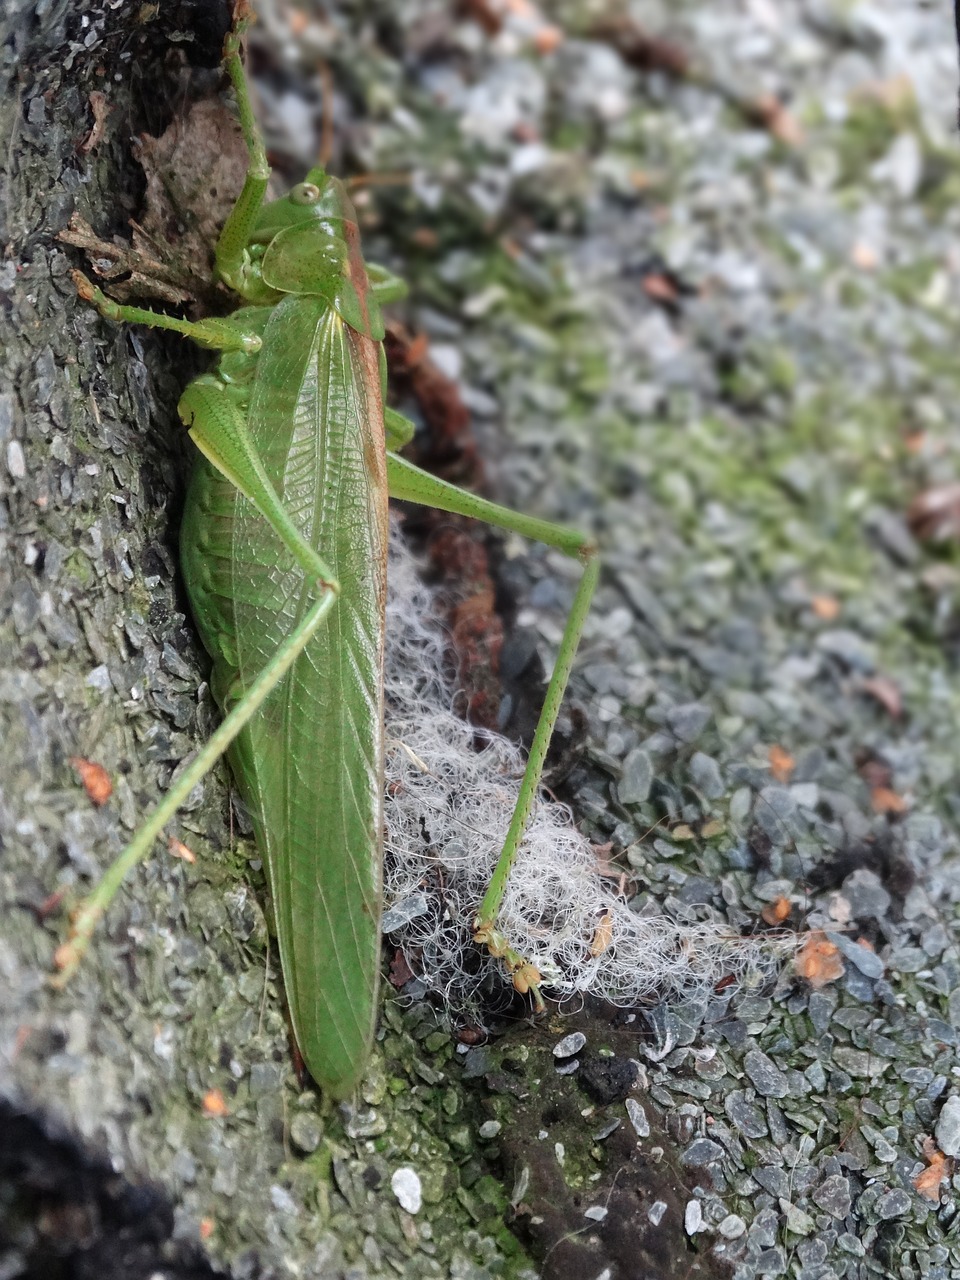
(726, 349)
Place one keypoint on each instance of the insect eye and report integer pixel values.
(305, 193)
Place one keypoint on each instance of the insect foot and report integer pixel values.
(524, 974)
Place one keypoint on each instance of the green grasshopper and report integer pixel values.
(283, 550)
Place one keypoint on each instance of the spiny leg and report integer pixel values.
(215, 333)
(68, 956)
(413, 485)
(219, 428)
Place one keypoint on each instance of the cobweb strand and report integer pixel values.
(448, 807)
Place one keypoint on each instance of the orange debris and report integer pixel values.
(782, 763)
(214, 1103)
(95, 779)
(818, 960)
(826, 608)
(776, 912)
(886, 801)
(939, 1168)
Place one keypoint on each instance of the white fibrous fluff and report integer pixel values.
(448, 806)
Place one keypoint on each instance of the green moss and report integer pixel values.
(78, 567)
(866, 133)
(909, 281)
(940, 186)
(781, 370)
(571, 136)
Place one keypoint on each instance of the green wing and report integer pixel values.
(310, 765)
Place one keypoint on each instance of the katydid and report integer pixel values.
(283, 549)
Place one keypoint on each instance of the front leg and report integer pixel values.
(216, 333)
(232, 256)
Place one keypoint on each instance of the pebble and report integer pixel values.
(701, 1152)
(705, 775)
(884, 1151)
(866, 895)
(748, 1118)
(936, 1087)
(569, 1045)
(948, 1127)
(893, 1204)
(935, 941)
(920, 1076)
(850, 1244)
(305, 1131)
(766, 1077)
(401, 913)
(638, 1118)
(798, 1221)
(282, 1200)
(858, 1062)
(893, 532)
(812, 1253)
(773, 1179)
(867, 961)
(689, 720)
(637, 778)
(850, 647)
(902, 166)
(833, 1196)
(405, 1185)
(734, 1031)
(732, 1227)
(611, 1127)
(816, 1075)
(771, 1262)
(858, 984)
(693, 1217)
(806, 795)
(763, 1231)
(16, 460)
(774, 812)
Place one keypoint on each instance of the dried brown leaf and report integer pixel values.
(659, 287)
(100, 109)
(934, 515)
(603, 935)
(818, 960)
(886, 692)
(400, 972)
(641, 49)
(770, 112)
(180, 850)
(939, 1169)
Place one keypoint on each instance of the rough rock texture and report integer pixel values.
(702, 296)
